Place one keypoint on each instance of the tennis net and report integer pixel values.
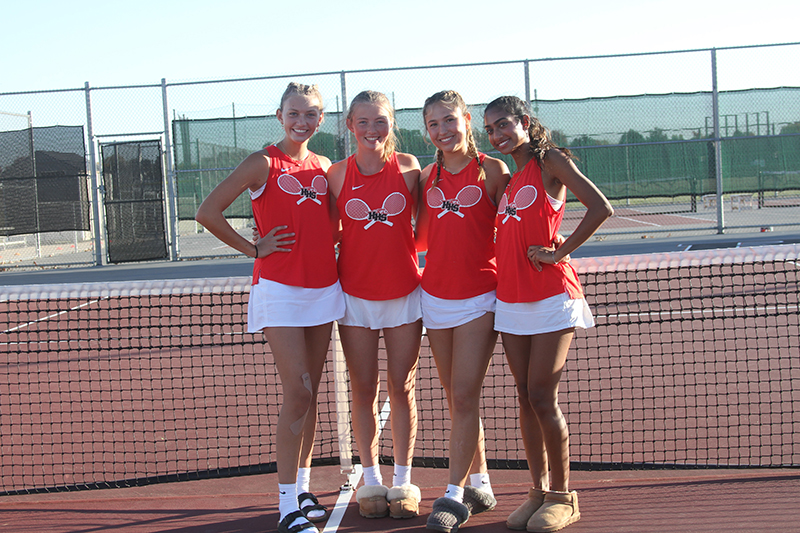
(694, 363)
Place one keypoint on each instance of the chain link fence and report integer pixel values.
(681, 141)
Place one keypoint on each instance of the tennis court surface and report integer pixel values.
(682, 405)
(707, 501)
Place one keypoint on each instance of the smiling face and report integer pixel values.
(447, 127)
(372, 124)
(507, 133)
(300, 115)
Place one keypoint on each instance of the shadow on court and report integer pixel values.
(613, 502)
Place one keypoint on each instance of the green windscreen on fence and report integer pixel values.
(647, 149)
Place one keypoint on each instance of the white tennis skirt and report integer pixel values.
(438, 313)
(274, 304)
(545, 316)
(379, 314)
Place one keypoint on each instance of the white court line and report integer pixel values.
(645, 213)
(335, 520)
(691, 218)
(638, 221)
(22, 326)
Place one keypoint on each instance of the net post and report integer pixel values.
(95, 196)
(343, 117)
(527, 81)
(172, 202)
(717, 143)
(342, 400)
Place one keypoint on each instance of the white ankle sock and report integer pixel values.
(372, 475)
(481, 481)
(303, 480)
(402, 476)
(288, 501)
(454, 492)
(304, 485)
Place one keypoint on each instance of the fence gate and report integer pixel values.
(134, 201)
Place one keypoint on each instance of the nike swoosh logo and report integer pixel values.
(282, 492)
(358, 186)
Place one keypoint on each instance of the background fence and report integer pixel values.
(680, 141)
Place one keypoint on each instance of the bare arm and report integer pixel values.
(423, 212)
(497, 177)
(409, 166)
(335, 176)
(560, 171)
(250, 174)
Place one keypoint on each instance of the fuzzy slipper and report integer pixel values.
(314, 506)
(308, 527)
(478, 501)
(447, 515)
(372, 501)
(518, 520)
(404, 501)
(559, 510)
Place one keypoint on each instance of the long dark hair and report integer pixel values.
(541, 143)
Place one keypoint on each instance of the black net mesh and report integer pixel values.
(694, 363)
(43, 181)
(134, 201)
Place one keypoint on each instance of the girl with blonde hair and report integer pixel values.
(375, 191)
(295, 295)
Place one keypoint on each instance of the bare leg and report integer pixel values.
(462, 357)
(479, 461)
(537, 362)
(548, 356)
(518, 349)
(318, 344)
(299, 358)
(402, 355)
(360, 346)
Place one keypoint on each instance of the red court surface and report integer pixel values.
(687, 378)
(612, 502)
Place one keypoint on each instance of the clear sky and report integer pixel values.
(49, 44)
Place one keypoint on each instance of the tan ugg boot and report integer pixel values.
(518, 520)
(559, 510)
(404, 501)
(372, 501)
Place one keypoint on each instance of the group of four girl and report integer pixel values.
(382, 209)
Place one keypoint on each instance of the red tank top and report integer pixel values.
(525, 218)
(296, 195)
(377, 255)
(460, 262)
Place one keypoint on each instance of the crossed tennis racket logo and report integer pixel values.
(466, 197)
(522, 200)
(289, 184)
(358, 209)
